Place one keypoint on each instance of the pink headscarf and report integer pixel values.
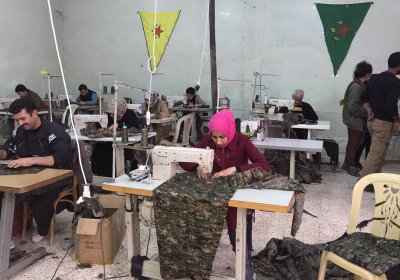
(223, 122)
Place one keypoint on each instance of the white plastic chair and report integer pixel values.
(387, 192)
(66, 118)
(187, 122)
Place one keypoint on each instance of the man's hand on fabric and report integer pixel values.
(225, 172)
(22, 162)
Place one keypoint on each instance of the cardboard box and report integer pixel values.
(111, 230)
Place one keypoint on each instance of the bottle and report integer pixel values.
(124, 138)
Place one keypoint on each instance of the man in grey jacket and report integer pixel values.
(354, 116)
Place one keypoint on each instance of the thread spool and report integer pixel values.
(124, 137)
(144, 141)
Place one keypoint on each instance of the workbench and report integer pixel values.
(18, 184)
(243, 199)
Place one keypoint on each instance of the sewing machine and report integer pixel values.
(165, 159)
(83, 121)
(275, 103)
(5, 102)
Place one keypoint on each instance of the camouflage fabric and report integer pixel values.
(4, 170)
(189, 218)
(373, 253)
(292, 260)
(99, 133)
(282, 183)
(291, 118)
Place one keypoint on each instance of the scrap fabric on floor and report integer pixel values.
(291, 259)
(190, 214)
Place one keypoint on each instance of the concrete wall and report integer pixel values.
(27, 45)
(278, 37)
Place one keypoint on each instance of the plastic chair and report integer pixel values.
(65, 118)
(386, 188)
(187, 121)
(69, 195)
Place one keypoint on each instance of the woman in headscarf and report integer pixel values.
(233, 152)
(102, 152)
(124, 115)
(158, 109)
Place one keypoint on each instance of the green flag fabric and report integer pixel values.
(161, 32)
(341, 23)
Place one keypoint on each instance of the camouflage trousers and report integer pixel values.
(190, 215)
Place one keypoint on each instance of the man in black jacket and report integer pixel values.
(380, 101)
(42, 143)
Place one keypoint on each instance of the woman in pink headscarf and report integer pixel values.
(233, 152)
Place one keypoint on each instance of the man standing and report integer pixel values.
(23, 92)
(38, 142)
(380, 101)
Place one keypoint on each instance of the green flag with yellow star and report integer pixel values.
(160, 31)
(341, 23)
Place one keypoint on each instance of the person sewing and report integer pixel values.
(24, 92)
(304, 110)
(158, 109)
(102, 151)
(38, 142)
(233, 152)
(194, 100)
(87, 96)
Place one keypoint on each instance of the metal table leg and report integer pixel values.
(132, 226)
(6, 223)
(292, 167)
(240, 272)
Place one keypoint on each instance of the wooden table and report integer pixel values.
(292, 145)
(243, 199)
(17, 184)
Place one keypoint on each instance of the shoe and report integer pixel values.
(353, 171)
(358, 166)
(12, 244)
(36, 237)
(345, 166)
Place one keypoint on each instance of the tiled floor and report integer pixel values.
(329, 201)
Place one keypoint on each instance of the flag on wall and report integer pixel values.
(165, 24)
(341, 23)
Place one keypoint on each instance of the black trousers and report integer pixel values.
(41, 204)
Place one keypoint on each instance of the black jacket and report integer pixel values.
(48, 139)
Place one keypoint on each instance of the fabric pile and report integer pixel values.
(291, 259)
(190, 215)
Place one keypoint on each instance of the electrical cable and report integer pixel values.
(66, 91)
(203, 53)
(148, 116)
(66, 253)
(148, 242)
(101, 246)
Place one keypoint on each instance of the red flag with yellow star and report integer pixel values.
(161, 32)
(341, 23)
